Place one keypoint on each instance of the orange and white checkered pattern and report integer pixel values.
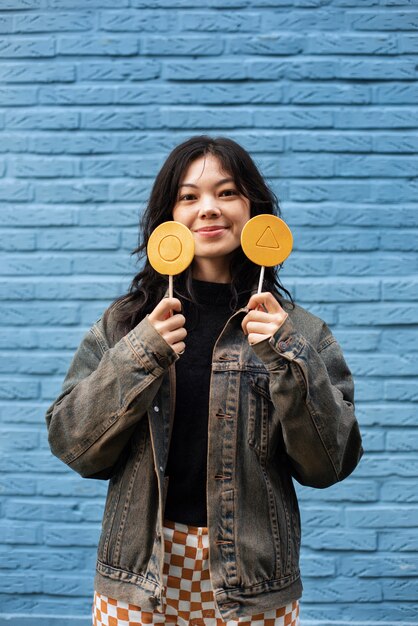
(188, 592)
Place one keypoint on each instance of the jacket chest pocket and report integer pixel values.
(259, 409)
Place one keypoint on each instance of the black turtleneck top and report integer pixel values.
(187, 460)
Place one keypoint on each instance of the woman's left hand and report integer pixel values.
(264, 317)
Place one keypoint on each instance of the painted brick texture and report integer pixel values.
(323, 93)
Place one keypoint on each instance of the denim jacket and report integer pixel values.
(279, 409)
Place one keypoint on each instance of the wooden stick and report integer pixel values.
(260, 282)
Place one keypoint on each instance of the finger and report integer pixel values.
(261, 328)
(174, 337)
(179, 347)
(171, 323)
(256, 338)
(265, 299)
(164, 307)
(258, 316)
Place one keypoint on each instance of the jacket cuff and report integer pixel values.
(286, 342)
(149, 347)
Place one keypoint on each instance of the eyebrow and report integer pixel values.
(218, 184)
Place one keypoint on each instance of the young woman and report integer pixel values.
(200, 409)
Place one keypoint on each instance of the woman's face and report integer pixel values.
(209, 204)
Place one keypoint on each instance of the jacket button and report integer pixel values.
(282, 345)
(156, 409)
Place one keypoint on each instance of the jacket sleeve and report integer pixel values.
(313, 394)
(104, 395)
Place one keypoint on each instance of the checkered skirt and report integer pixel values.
(188, 593)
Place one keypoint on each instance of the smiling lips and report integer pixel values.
(210, 231)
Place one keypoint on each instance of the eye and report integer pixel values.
(187, 196)
(229, 192)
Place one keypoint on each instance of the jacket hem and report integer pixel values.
(247, 601)
(126, 586)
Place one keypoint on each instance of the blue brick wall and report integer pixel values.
(323, 93)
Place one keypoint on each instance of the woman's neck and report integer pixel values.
(212, 270)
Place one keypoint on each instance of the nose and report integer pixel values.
(208, 208)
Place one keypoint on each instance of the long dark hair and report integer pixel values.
(148, 287)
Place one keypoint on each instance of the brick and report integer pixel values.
(399, 491)
(83, 143)
(97, 46)
(79, 289)
(402, 240)
(67, 585)
(13, 290)
(360, 265)
(72, 192)
(18, 584)
(329, 94)
(71, 536)
(97, 264)
(32, 265)
(78, 239)
(400, 590)
(39, 364)
(376, 117)
(401, 541)
(374, 566)
(32, 560)
(17, 96)
(14, 215)
(221, 21)
(80, 4)
(26, 534)
(134, 70)
(377, 365)
(331, 142)
(351, 44)
(298, 117)
(382, 517)
(302, 20)
(34, 167)
(17, 241)
(334, 290)
(136, 21)
(402, 441)
(49, 119)
(358, 339)
(351, 490)
(17, 5)
(205, 70)
(265, 44)
(406, 466)
(33, 48)
(132, 167)
(395, 93)
(18, 389)
(395, 142)
(345, 540)
(383, 314)
(41, 314)
(391, 340)
(343, 589)
(76, 95)
(120, 120)
(375, 166)
(393, 21)
(194, 118)
(318, 566)
(186, 45)
(333, 240)
(392, 414)
(40, 73)
(53, 22)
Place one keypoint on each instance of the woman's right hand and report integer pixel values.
(170, 326)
